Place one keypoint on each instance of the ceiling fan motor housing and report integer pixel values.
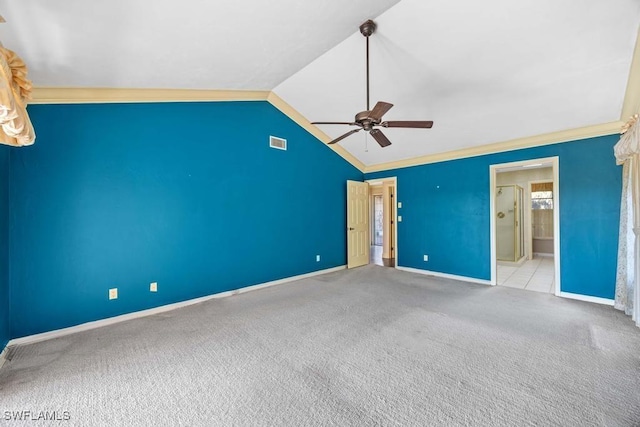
(363, 119)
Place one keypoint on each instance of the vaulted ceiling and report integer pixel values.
(484, 72)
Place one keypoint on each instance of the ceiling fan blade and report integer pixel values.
(340, 138)
(334, 123)
(407, 124)
(380, 137)
(379, 110)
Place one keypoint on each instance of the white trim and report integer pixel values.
(514, 263)
(3, 355)
(30, 339)
(555, 164)
(587, 298)
(492, 224)
(445, 275)
(95, 95)
(556, 224)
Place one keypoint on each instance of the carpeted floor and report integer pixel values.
(369, 346)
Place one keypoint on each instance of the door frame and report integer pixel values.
(493, 170)
(394, 179)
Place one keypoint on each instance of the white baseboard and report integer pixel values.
(30, 339)
(445, 275)
(512, 263)
(587, 298)
(3, 355)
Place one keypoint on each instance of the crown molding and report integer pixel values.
(302, 121)
(78, 95)
(631, 104)
(70, 95)
(514, 144)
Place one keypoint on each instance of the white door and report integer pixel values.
(357, 224)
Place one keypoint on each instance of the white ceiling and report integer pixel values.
(186, 44)
(485, 72)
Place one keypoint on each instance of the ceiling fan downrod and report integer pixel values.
(368, 28)
(369, 119)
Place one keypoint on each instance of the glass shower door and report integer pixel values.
(509, 221)
(505, 222)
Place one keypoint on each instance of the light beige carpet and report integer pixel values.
(370, 346)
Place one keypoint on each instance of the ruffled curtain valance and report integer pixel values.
(629, 143)
(15, 91)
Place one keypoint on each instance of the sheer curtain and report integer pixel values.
(627, 152)
(15, 90)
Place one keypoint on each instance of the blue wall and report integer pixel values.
(445, 214)
(189, 195)
(185, 194)
(5, 334)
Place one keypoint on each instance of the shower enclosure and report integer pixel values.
(509, 223)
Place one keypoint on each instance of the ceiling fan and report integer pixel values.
(370, 120)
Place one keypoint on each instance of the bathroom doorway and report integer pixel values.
(383, 222)
(524, 225)
(378, 220)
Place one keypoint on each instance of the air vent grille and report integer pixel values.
(279, 143)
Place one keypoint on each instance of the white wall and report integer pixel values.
(522, 177)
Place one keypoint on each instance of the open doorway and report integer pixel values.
(525, 225)
(383, 222)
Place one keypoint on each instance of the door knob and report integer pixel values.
(351, 228)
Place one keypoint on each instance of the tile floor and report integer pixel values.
(375, 257)
(533, 275)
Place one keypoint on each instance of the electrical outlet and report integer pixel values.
(113, 293)
(317, 258)
(426, 257)
(399, 218)
(153, 287)
(399, 205)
